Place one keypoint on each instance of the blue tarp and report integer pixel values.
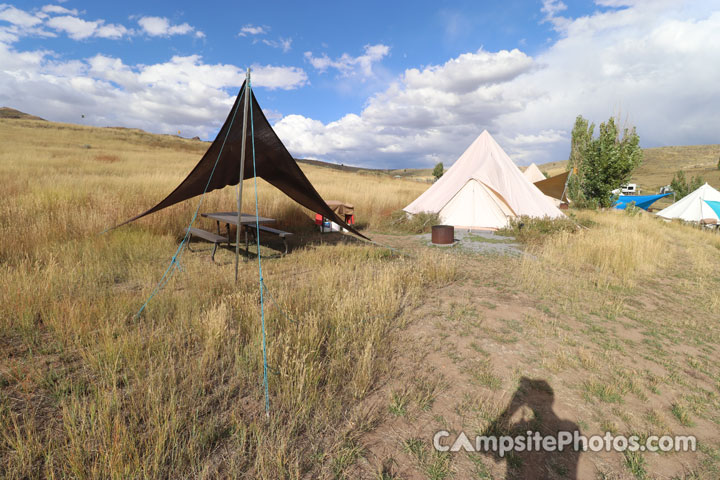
(641, 201)
(715, 206)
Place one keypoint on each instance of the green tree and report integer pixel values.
(608, 162)
(679, 185)
(438, 171)
(582, 134)
(695, 183)
(682, 187)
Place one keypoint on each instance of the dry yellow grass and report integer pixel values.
(89, 391)
(614, 252)
(124, 172)
(619, 251)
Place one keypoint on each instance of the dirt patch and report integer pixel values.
(483, 355)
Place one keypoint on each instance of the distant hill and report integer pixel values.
(413, 173)
(7, 112)
(334, 166)
(660, 164)
(658, 167)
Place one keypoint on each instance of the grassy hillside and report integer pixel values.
(11, 113)
(423, 175)
(660, 164)
(370, 349)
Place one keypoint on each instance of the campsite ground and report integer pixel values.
(629, 356)
(608, 328)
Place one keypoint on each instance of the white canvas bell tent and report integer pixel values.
(483, 189)
(692, 208)
(533, 173)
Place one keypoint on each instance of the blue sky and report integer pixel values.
(380, 84)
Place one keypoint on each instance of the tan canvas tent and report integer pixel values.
(555, 188)
(533, 173)
(483, 189)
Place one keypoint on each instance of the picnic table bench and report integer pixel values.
(209, 236)
(273, 231)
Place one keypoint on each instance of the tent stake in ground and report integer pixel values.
(240, 175)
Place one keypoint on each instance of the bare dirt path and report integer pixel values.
(482, 355)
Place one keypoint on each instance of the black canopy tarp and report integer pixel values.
(273, 163)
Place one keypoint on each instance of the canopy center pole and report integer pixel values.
(242, 173)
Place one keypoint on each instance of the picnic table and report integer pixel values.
(247, 221)
(231, 218)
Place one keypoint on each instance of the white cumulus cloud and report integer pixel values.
(60, 10)
(54, 18)
(16, 23)
(76, 28)
(347, 65)
(18, 17)
(253, 30)
(421, 117)
(183, 93)
(653, 63)
(161, 27)
(284, 78)
(256, 31)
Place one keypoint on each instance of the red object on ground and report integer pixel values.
(349, 219)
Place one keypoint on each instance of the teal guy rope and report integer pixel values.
(260, 275)
(175, 261)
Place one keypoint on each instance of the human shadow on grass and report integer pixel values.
(537, 396)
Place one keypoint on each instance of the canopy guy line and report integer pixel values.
(257, 238)
(175, 261)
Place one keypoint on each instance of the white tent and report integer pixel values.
(533, 173)
(483, 189)
(692, 208)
